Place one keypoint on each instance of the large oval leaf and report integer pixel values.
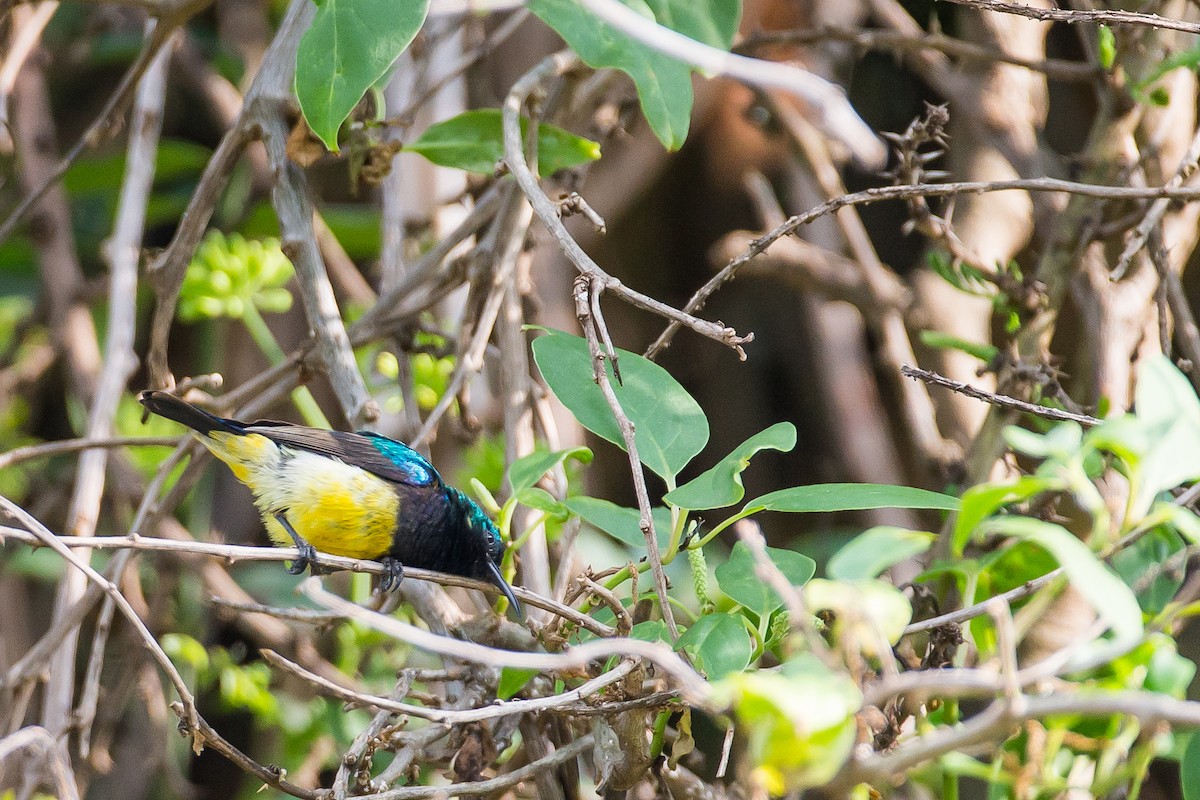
(664, 85)
(1108, 594)
(474, 141)
(722, 485)
(739, 581)
(669, 427)
(619, 522)
(348, 47)
(850, 497)
(719, 643)
(873, 551)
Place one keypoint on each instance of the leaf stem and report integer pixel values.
(260, 332)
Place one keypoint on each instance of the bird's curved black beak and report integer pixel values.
(491, 574)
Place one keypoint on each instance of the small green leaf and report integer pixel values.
(1112, 599)
(670, 427)
(1189, 768)
(541, 500)
(872, 551)
(513, 680)
(623, 524)
(980, 502)
(474, 141)
(664, 85)
(799, 722)
(527, 471)
(719, 643)
(821, 497)
(864, 610)
(652, 630)
(348, 47)
(1107, 46)
(1143, 563)
(1166, 402)
(944, 341)
(722, 485)
(739, 581)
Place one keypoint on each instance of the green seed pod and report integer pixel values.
(699, 569)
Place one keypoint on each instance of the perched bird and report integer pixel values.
(359, 495)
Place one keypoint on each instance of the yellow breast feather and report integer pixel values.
(337, 508)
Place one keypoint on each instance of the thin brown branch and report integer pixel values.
(487, 787)
(110, 589)
(176, 14)
(900, 42)
(585, 292)
(1072, 16)
(449, 716)
(235, 553)
(62, 446)
(694, 688)
(547, 211)
(1000, 400)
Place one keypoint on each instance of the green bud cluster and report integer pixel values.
(228, 273)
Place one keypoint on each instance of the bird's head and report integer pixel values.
(487, 567)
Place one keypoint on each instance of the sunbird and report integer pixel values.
(359, 495)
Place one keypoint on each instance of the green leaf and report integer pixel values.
(541, 500)
(1142, 563)
(513, 680)
(664, 85)
(944, 341)
(670, 428)
(474, 141)
(849, 497)
(528, 470)
(1166, 402)
(623, 524)
(719, 643)
(1189, 768)
(348, 47)
(872, 551)
(864, 610)
(652, 630)
(980, 502)
(1107, 46)
(798, 720)
(1112, 599)
(722, 485)
(741, 583)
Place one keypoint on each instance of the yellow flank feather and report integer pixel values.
(339, 509)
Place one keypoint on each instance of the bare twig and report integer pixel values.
(176, 14)
(1102, 16)
(1000, 400)
(455, 716)
(234, 553)
(693, 688)
(901, 42)
(585, 293)
(122, 252)
(27, 29)
(547, 210)
(497, 784)
(1158, 209)
(826, 102)
(50, 449)
(110, 589)
(36, 743)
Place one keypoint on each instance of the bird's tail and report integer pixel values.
(171, 407)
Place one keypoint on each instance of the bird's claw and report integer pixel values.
(307, 559)
(393, 574)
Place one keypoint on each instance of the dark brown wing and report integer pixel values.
(379, 455)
